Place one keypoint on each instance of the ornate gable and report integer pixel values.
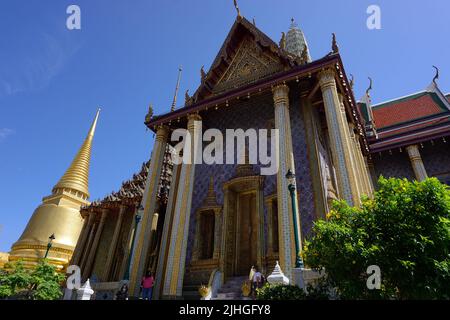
(247, 55)
(250, 64)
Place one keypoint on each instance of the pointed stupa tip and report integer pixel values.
(296, 41)
(76, 178)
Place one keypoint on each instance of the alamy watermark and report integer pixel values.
(373, 22)
(374, 279)
(190, 149)
(73, 21)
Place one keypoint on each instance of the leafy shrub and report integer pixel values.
(404, 229)
(280, 292)
(41, 283)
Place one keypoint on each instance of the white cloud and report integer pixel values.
(5, 132)
(33, 70)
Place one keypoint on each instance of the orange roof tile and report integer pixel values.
(406, 109)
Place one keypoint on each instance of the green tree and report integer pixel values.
(41, 283)
(404, 229)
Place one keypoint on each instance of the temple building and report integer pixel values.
(208, 223)
(220, 219)
(55, 226)
(408, 135)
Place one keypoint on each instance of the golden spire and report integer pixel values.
(174, 103)
(77, 176)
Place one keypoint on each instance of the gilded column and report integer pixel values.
(173, 280)
(112, 246)
(416, 162)
(80, 248)
(363, 173)
(223, 236)
(285, 162)
(337, 134)
(268, 203)
(217, 228)
(86, 249)
(149, 203)
(196, 249)
(167, 229)
(93, 250)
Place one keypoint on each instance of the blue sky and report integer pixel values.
(126, 55)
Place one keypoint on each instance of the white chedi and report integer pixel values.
(277, 276)
(85, 292)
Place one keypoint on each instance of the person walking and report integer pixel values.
(147, 286)
(256, 281)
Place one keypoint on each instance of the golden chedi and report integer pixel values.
(58, 215)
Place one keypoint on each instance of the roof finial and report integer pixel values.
(254, 22)
(237, 9)
(437, 74)
(180, 70)
(149, 114)
(334, 45)
(352, 81)
(202, 73)
(370, 86)
(283, 41)
(293, 24)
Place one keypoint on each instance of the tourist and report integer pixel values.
(122, 294)
(147, 286)
(252, 272)
(256, 281)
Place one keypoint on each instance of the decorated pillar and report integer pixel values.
(149, 202)
(93, 249)
(196, 249)
(113, 244)
(86, 249)
(80, 248)
(337, 129)
(269, 206)
(167, 229)
(176, 258)
(285, 162)
(416, 162)
(217, 228)
(363, 172)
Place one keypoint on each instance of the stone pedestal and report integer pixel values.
(302, 277)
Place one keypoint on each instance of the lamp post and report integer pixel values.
(137, 219)
(49, 244)
(290, 176)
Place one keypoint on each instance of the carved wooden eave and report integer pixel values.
(294, 74)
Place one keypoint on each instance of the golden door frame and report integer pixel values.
(231, 188)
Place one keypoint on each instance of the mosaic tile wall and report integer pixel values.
(255, 113)
(395, 165)
(436, 159)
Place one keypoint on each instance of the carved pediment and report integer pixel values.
(246, 56)
(250, 64)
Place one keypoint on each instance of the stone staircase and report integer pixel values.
(231, 290)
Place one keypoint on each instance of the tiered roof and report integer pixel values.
(411, 119)
(132, 190)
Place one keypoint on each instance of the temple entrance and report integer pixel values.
(243, 232)
(247, 228)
